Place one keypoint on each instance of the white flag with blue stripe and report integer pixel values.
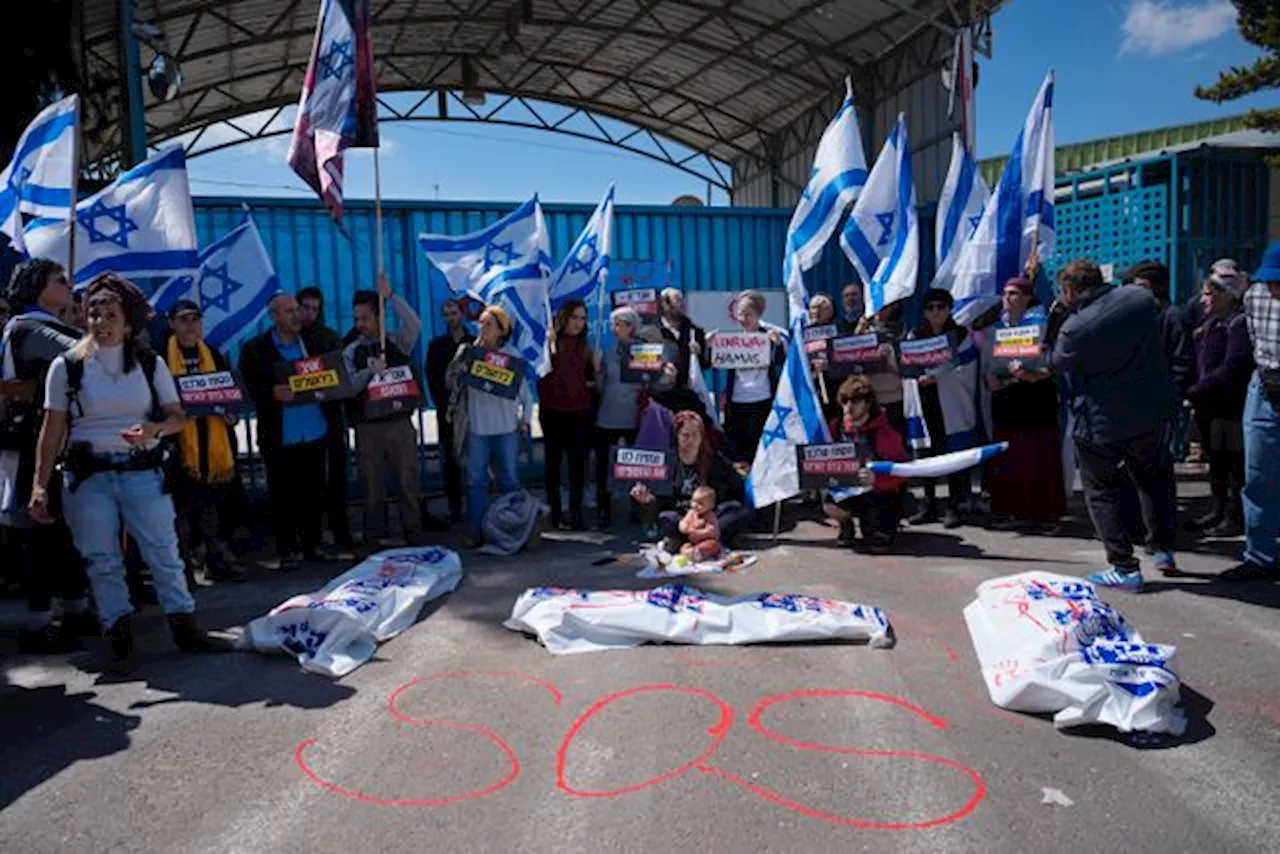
(796, 419)
(882, 236)
(1017, 219)
(232, 286)
(140, 226)
(839, 173)
(960, 206)
(505, 264)
(584, 268)
(41, 176)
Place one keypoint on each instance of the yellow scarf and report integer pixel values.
(222, 465)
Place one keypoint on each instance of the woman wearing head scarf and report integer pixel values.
(493, 424)
(1224, 362)
(1026, 482)
(110, 401)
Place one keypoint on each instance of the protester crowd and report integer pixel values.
(1110, 378)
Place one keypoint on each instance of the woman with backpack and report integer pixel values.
(109, 402)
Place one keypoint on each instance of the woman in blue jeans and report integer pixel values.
(494, 423)
(109, 402)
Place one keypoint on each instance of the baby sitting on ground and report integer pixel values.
(701, 527)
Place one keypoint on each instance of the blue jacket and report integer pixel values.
(1112, 353)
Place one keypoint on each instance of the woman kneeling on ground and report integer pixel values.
(697, 464)
(878, 511)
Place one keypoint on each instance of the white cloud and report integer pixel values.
(1160, 27)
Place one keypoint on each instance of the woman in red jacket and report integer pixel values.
(564, 410)
(878, 511)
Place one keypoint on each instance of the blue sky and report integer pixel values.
(1122, 66)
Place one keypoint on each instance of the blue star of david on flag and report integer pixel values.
(499, 255)
(779, 431)
(217, 287)
(886, 225)
(974, 221)
(336, 60)
(116, 214)
(581, 261)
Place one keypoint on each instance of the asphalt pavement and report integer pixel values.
(464, 736)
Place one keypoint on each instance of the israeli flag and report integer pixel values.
(941, 465)
(584, 269)
(505, 264)
(139, 226)
(796, 419)
(40, 178)
(882, 236)
(233, 285)
(964, 197)
(1018, 219)
(839, 173)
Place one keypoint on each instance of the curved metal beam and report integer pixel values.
(658, 124)
(697, 163)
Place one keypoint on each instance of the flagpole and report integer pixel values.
(75, 187)
(377, 216)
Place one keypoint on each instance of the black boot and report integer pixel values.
(120, 637)
(927, 513)
(848, 534)
(190, 638)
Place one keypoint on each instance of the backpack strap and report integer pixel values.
(75, 377)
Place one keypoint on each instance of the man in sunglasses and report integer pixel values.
(1123, 401)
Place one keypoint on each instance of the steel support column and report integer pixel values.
(135, 125)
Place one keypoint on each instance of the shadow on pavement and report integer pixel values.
(1263, 593)
(45, 730)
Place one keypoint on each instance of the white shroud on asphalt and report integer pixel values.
(1047, 643)
(338, 628)
(571, 621)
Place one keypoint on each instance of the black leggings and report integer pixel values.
(744, 425)
(564, 436)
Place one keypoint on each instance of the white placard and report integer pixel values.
(738, 351)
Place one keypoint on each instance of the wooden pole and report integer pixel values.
(822, 386)
(377, 217)
(75, 188)
(777, 521)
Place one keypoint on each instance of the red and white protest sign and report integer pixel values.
(737, 351)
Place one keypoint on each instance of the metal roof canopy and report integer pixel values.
(730, 80)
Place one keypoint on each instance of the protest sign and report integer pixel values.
(316, 379)
(737, 351)
(816, 338)
(643, 363)
(855, 354)
(828, 466)
(1016, 347)
(630, 466)
(215, 393)
(919, 356)
(644, 301)
(494, 373)
(392, 392)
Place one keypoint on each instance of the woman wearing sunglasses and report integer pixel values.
(948, 395)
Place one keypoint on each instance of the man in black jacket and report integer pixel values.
(323, 339)
(39, 294)
(440, 353)
(1121, 396)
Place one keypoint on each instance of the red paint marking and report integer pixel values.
(718, 733)
(980, 788)
(393, 699)
(951, 653)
